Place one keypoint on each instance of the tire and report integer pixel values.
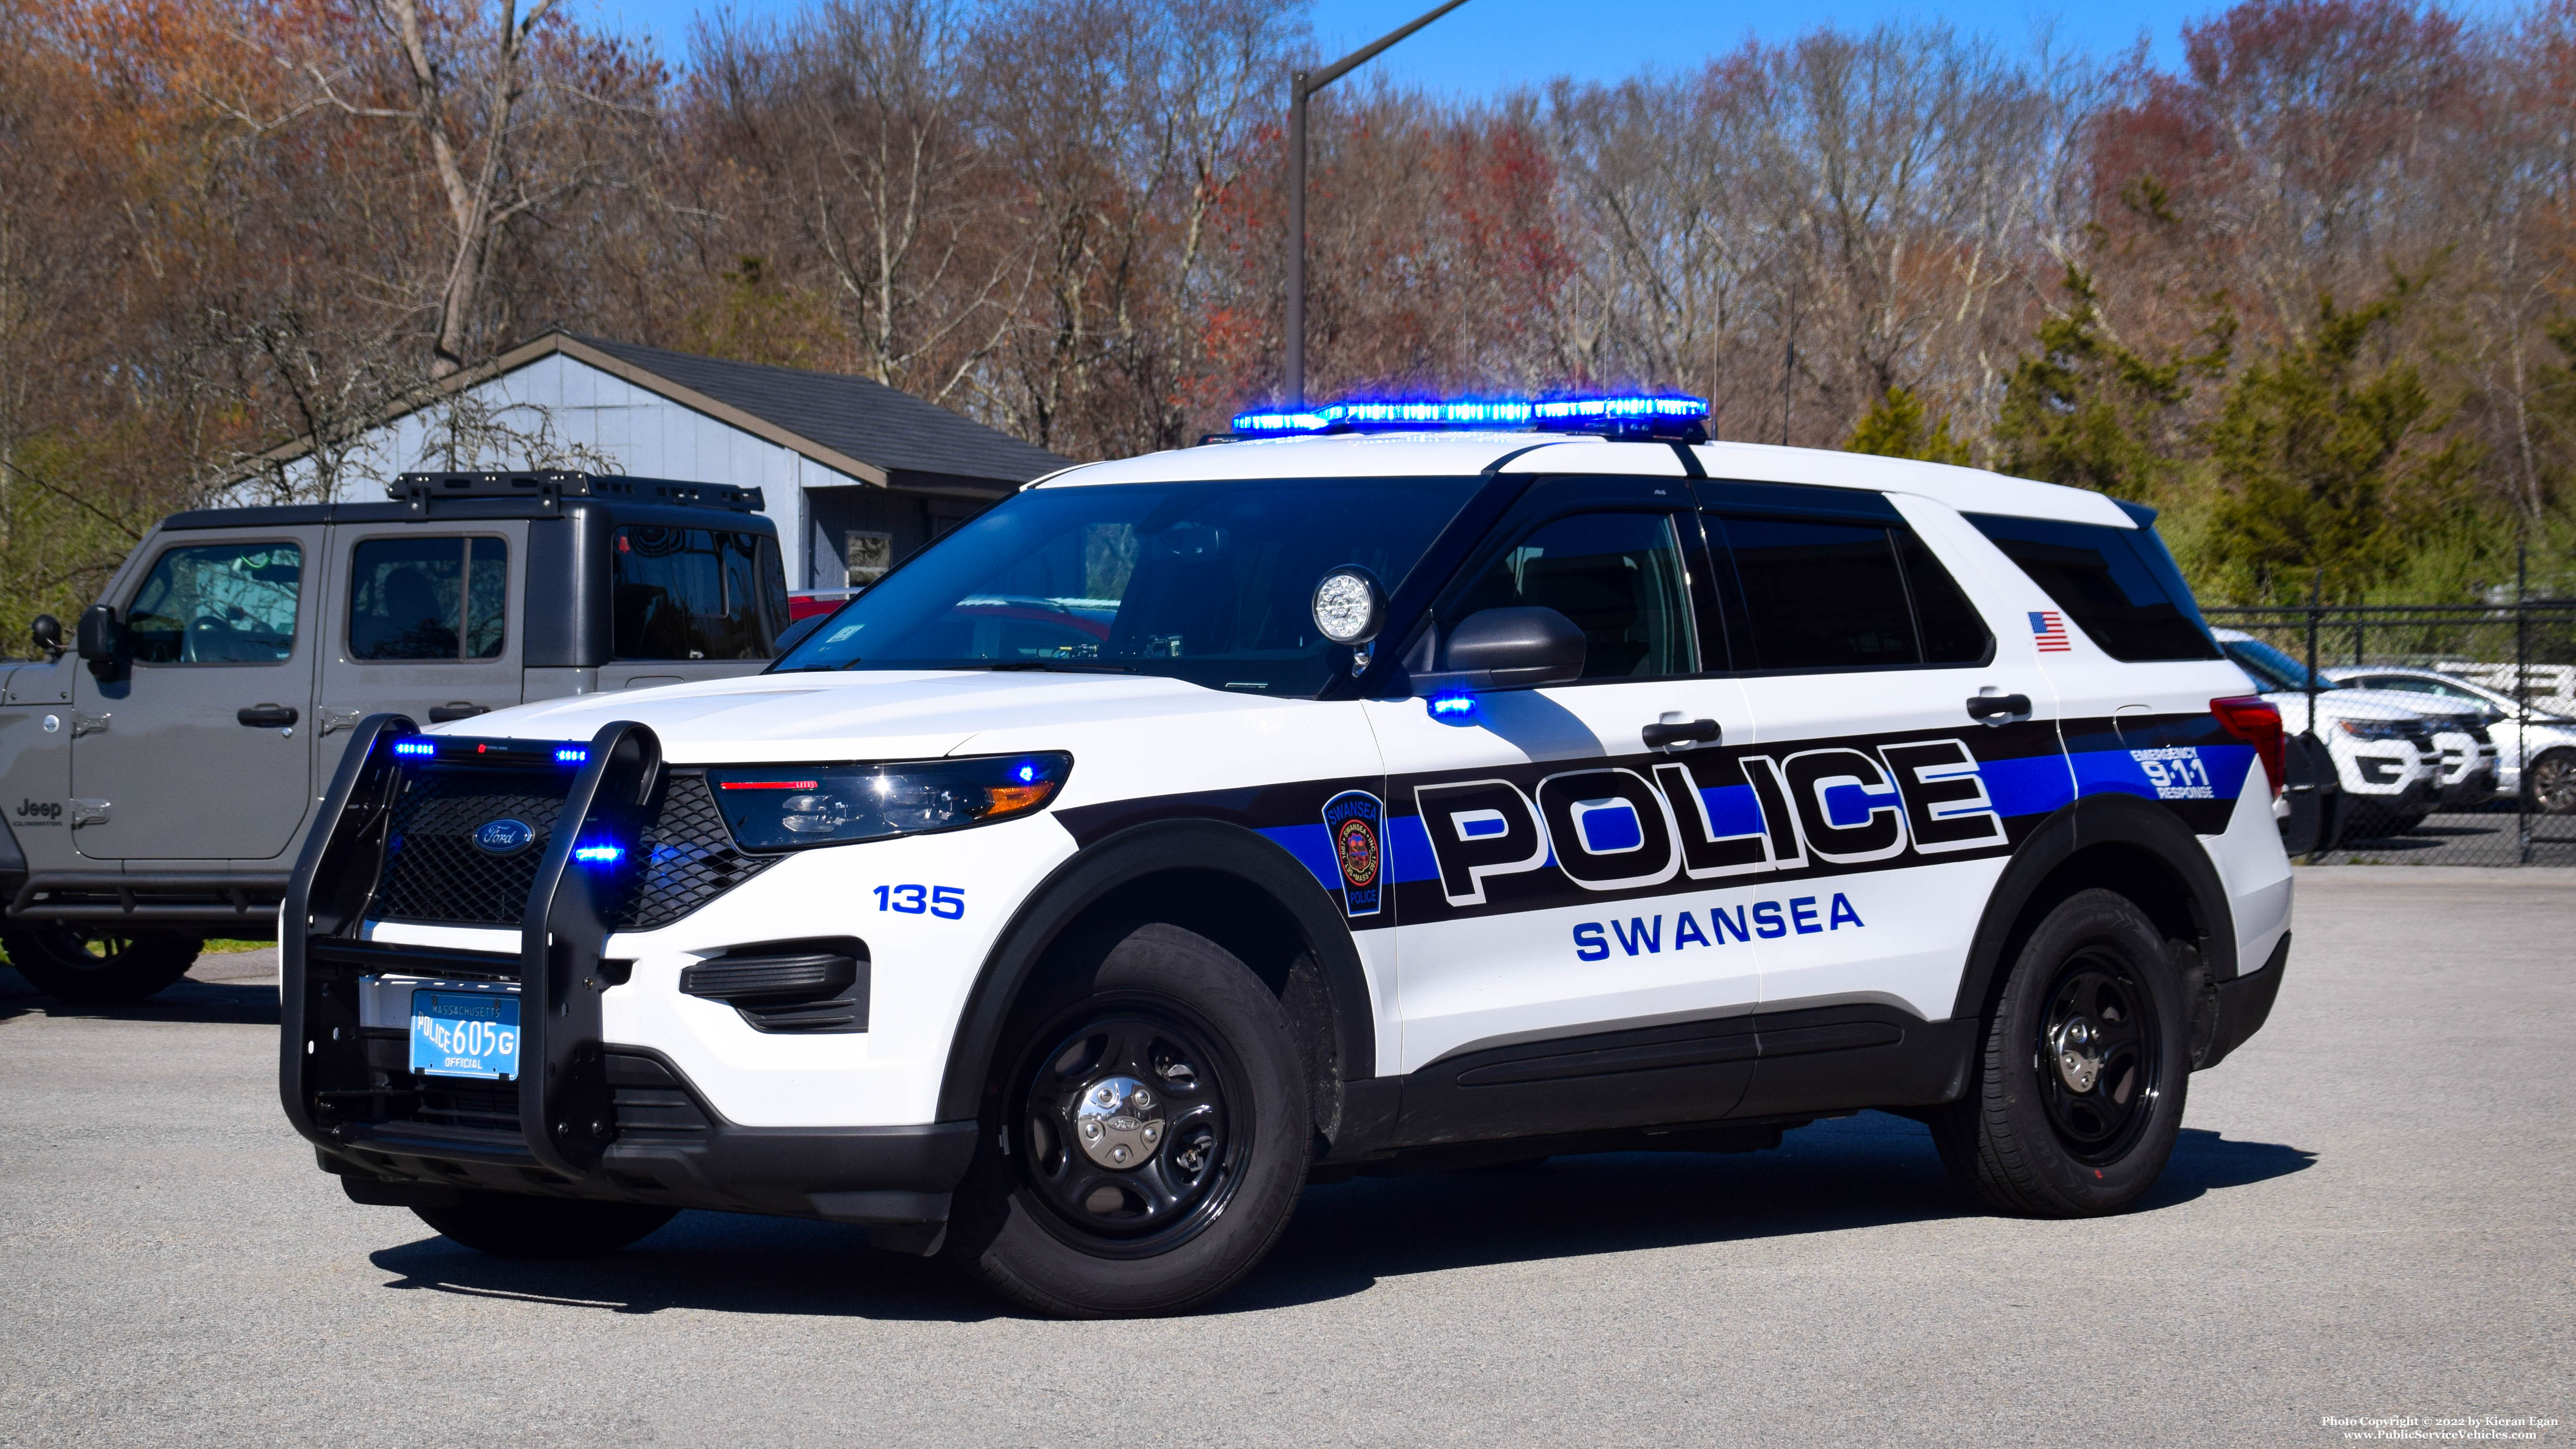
(2551, 783)
(508, 1225)
(2088, 1132)
(1155, 1111)
(99, 968)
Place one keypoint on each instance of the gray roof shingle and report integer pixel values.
(865, 420)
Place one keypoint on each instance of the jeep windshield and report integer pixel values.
(1208, 582)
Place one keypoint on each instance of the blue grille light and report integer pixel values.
(1027, 773)
(1562, 413)
(415, 747)
(599, 854)
(571, 754)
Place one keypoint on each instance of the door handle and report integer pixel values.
(1998, 709)
(267, 716)
(455, 709)
(1699, 731)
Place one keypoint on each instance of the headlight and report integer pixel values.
(2376, 729)
(791, 807)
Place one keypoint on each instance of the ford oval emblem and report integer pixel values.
(504, 837)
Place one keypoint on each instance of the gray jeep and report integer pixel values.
(156, 782)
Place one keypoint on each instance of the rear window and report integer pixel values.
(1842, 594)
(2118, 584)
(695, 593)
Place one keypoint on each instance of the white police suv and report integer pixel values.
(1191, 828)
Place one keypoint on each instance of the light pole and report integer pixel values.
(1302, 84)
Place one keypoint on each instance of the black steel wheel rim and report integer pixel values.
(2099, 1056)
(86, 950)
(1171, 1187)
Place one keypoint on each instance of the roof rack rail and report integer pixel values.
(551, 485)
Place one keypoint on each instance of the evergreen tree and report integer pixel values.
(2088, 412)
(1894, 428)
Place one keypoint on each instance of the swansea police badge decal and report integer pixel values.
(1354, 817)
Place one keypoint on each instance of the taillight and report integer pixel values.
(2257, 722)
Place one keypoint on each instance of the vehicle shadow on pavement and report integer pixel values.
(711, 1262)
(237, 1003)
(1872, 1170)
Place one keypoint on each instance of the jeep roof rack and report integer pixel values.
(553, 484)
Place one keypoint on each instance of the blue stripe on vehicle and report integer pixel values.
(1408, 851)
(2027, 785)
(1313, 847)
(2108, 772)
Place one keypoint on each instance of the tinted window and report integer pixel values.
(1209, 582)
(428, 598)
(1813, 594)
(1618, 576)
(231, 603)
(2117, 584)
(695, 593)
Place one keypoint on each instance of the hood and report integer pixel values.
(864, 715)
(2348, 703)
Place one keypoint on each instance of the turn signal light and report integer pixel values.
(2256, 721)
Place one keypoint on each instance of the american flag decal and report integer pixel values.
(2048, 630)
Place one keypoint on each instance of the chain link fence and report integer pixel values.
(2497, 683)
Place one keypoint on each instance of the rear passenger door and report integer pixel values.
(426, 622)
(1896, 728)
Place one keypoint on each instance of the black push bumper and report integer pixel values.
(586, 1118)
(2245, 1003)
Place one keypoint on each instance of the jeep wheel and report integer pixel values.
(2081, 1080)
(99, 968)
(2551, 781)
(508, 1225)
(1145, 1133)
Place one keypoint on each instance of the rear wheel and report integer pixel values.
(99, 967)
(507, 1225)
(2079, 1093)
(2551, 781)
(1145, 1133)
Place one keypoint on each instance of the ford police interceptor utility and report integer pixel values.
(1191, 828)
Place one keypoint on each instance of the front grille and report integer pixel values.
(433, 869)
(435, 872)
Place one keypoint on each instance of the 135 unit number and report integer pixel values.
(948, 903)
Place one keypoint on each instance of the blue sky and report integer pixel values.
(1493, 45)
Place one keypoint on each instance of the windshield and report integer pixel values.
(2275, 671)
(1208, 582)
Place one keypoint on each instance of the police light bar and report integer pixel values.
(1660, 416)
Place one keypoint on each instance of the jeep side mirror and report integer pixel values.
(47, 631)
(1518, 648)
(102, 638)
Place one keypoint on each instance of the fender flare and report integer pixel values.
(1130, 855)
(2095, 820)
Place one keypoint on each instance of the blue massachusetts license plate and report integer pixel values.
(464, 1034)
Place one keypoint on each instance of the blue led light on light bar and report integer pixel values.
(1613, 413)
(571, 755)
(415, 747)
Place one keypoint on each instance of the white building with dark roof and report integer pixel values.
(857, 475)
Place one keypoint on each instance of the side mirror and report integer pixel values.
(48, 634)
(1519, 648)
(102, 638)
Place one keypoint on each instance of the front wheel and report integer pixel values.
(508, 1225)
(1145, 1133)
(99, 968)
(2079, 1093)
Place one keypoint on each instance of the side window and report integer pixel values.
(2117, 584)
(1845, 594)
(438, 597)
(1618, 576)
(694, 593)
(230, 603)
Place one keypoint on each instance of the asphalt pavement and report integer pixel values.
(2368, 1218)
